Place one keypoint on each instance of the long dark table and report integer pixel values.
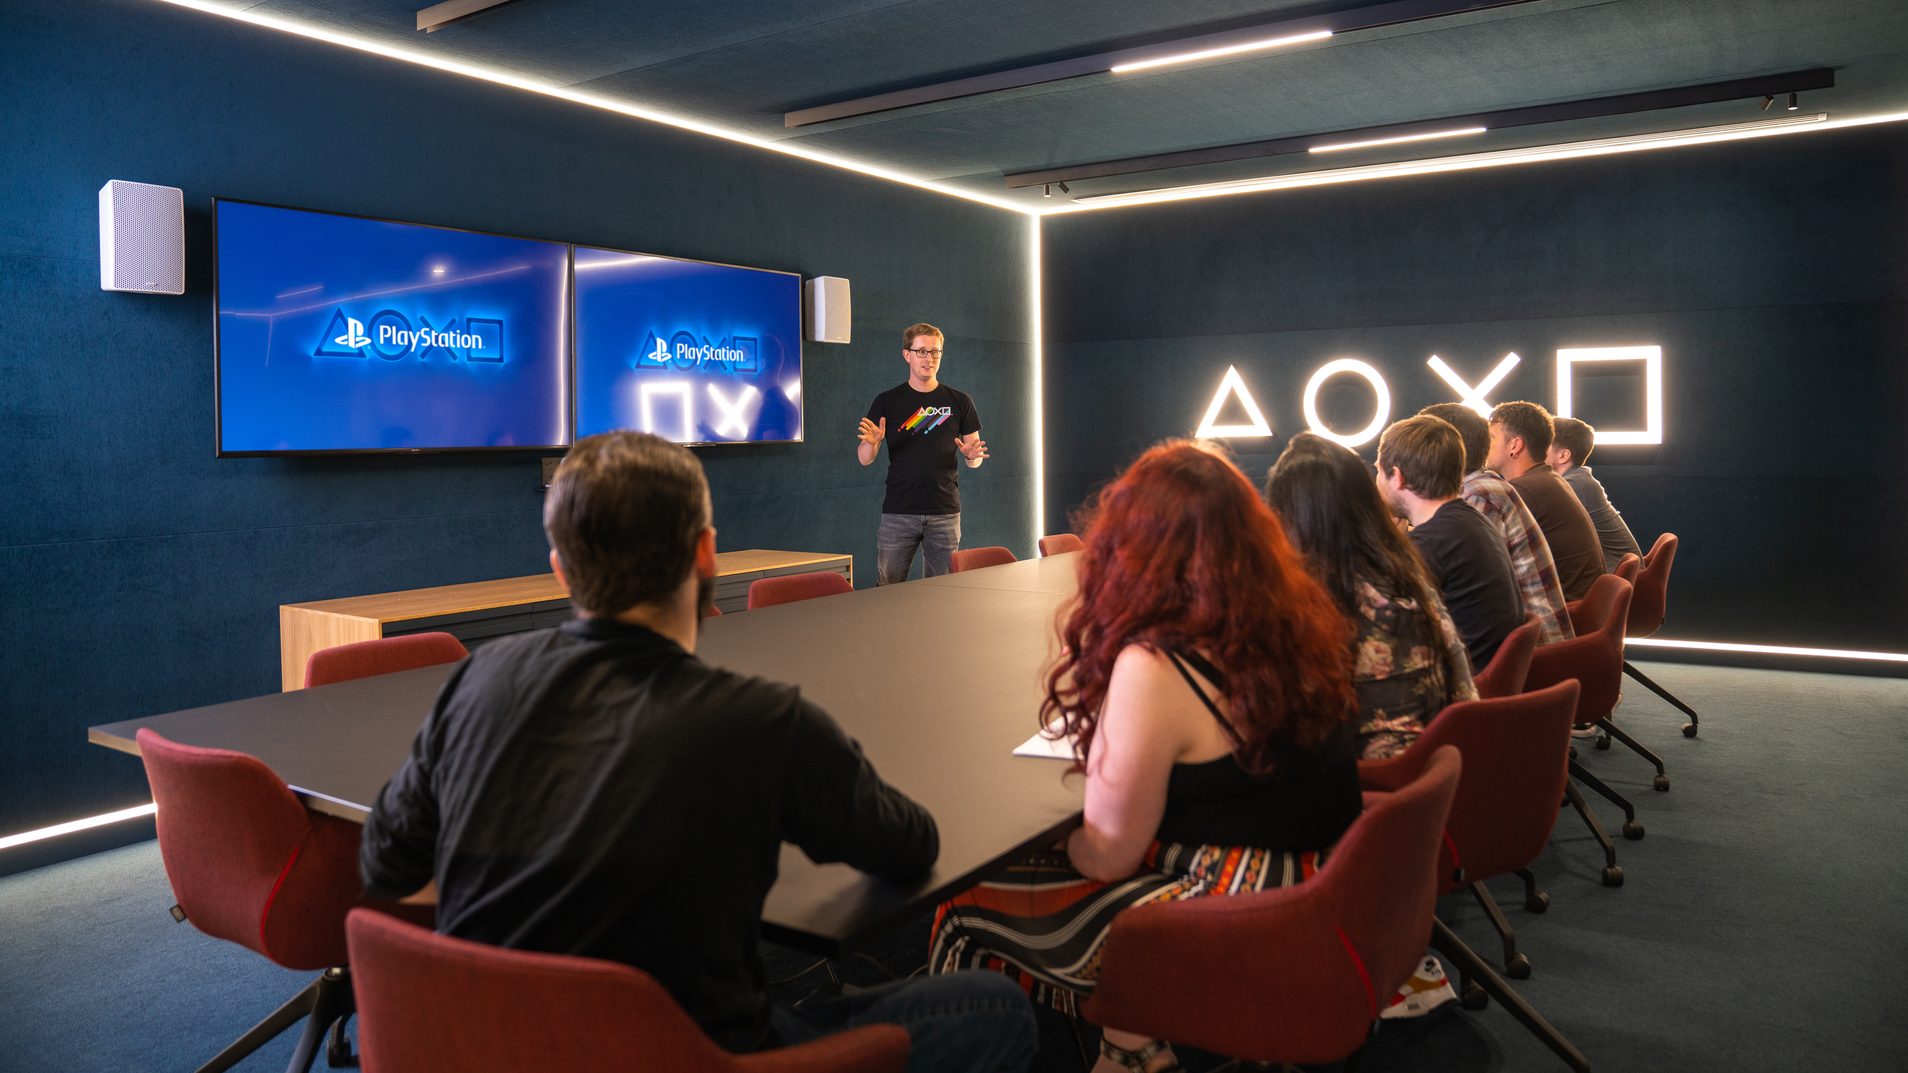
(937, 679)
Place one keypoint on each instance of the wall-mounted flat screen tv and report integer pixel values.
(344, 334)
(693, 352)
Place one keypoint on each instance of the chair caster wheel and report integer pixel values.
(1689, 730)
(1473, 997)
(1662, 784)
(1538, 902)
(1633, 830)
(1603, 741)
(1517, 968)
(1613, 876)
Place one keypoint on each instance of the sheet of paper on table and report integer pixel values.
(1043, 746)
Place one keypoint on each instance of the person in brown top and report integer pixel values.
(1520, 435)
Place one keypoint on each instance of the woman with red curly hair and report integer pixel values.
(1206, 685)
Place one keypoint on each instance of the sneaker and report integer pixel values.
(1427, 990)
(1583, 730)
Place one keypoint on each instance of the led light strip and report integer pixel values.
(1035, 327)
(1215, 53)
(1339, 147)
(588, 100)
(71, 826)
(1768, 650)
(1536, 154)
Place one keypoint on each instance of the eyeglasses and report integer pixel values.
(926, 353)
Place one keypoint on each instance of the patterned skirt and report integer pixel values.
(1046, 924)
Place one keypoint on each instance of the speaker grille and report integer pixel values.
(141, 238)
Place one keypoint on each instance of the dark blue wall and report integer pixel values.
(1774, 274)
(142, 575)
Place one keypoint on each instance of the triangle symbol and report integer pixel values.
(328, 345)
(1234, 387)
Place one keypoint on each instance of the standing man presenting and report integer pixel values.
(926, 425)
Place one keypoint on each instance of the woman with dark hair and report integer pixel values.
(1408, 660)
(1205, 682)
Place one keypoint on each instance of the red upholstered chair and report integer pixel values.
(1594, 657)
(712, 611)
(248, 863)
(386, 655)
(429, 1003)
(1515, 751)
(1060, 544)
(1646, 616)
(977, 558)
(1627, 568)
(1505, 675)
(1197, 972)
(788, 588)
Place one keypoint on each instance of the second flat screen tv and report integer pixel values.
(690, 351)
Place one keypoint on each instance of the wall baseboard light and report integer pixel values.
(589, 100)
(1767, 650)
(72, 826)
(1671, 139)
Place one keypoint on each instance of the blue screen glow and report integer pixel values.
(693, 352)
(337, 333)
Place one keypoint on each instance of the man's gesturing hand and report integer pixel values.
(872, 433)
(973, 450)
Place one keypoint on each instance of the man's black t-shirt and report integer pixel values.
(1467, 559)
(922, 461)
(596, 790)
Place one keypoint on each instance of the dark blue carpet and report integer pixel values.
(1761, 926)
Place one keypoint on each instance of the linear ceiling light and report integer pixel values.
(1501, 158)
(71, 826)
(1339, 147)
(1767, 650)
(1238, 40)
(588, 100)
(1215, 53)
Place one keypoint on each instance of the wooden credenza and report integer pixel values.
(479, 610)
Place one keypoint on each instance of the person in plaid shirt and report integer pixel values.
(1499, 503)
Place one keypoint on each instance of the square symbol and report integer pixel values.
(1652, 359)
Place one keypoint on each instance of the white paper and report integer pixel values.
(1049, 748)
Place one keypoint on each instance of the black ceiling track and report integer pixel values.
(1370, 17)
(1589, 108)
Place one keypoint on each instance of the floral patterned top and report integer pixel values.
(1399, 662)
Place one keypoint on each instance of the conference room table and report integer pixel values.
(938, 679)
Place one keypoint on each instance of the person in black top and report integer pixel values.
(1421, 471)
(925, 424)
(597, 790)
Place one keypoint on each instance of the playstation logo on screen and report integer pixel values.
(391, 335)
(686, 351)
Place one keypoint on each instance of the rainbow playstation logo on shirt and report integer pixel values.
(927, 419)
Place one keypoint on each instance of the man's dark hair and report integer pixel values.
(1574, 436)
(1529, 421)
(624, 514)
(1471, 428)
(1427, 452)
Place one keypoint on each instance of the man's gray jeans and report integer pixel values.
(937, 535)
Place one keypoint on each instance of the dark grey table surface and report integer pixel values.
(939, 680)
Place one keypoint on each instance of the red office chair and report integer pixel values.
(1514, 751)
(1595, 659)
(1508, 668)
(977, 558)
(1646, 616)
(1060, 544)
(1194, 972)
(712, 612)
(431, 1003)
(249, 864)
(386, 655)
(1626, 568)
(789, 588)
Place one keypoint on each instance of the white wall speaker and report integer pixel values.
(829, 317)
(141, 238)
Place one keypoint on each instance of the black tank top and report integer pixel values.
(1305, 802)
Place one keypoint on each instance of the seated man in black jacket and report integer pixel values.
(595, 789)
